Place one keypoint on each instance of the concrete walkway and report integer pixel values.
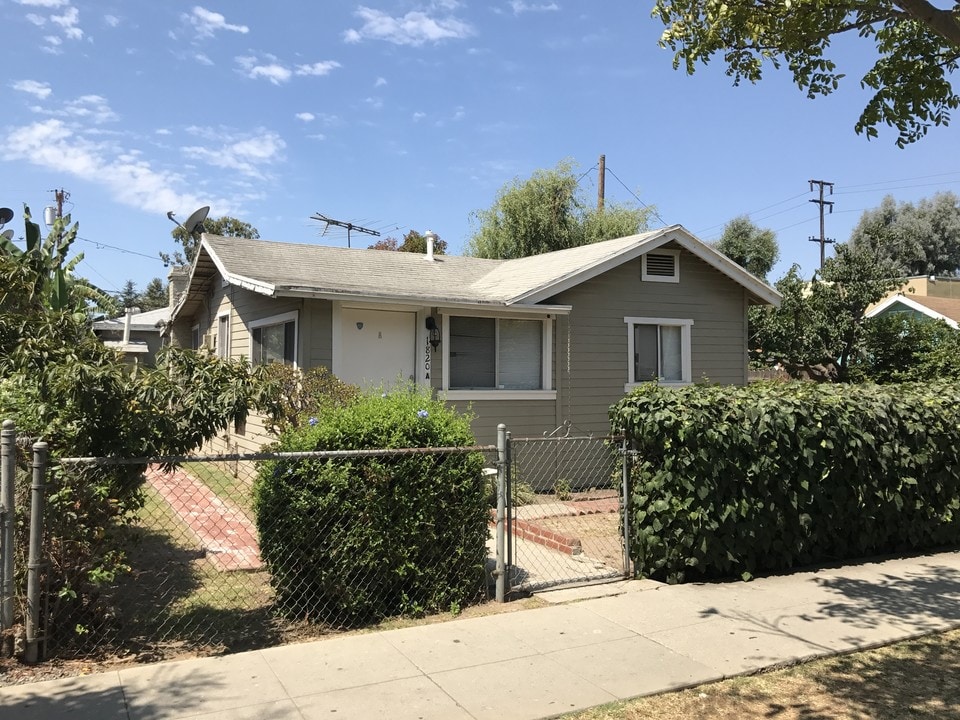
(591, 646)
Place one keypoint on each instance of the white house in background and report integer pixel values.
(138, 335)
(531, 342)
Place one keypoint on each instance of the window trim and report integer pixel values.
(686, 368)
(196, 338)
(280, 319)
(223, 349)
(546, 360)
(675, 278)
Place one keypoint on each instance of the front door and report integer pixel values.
(378, 347)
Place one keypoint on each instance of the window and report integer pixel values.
(497, 354)
(223, 336)
(274, 339)
(196, 339)
(660, 266)
(658, 350)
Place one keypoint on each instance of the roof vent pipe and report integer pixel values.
(430, 237)
(126, 327)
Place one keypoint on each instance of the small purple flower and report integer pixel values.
(422, 413)
(312, 421)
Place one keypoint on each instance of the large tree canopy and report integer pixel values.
(546, 212)
(749, 246)
(921, 239)
(916, 43)
(226, 226)
(413, 242)
(817, 332)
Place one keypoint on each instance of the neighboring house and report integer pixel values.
(136, 334)
(924, 297)
(531, 342)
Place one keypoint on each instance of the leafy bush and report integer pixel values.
(901, 348)
(288, 396)
(736, 481)
(354, 540)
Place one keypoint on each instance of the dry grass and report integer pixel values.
(913, 679)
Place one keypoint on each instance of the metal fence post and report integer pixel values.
(625, 463)
(37, 493)
(8, 478)
(501, 511)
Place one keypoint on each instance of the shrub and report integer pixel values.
(350, 541)
(762, 478)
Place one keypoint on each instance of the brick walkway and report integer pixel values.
(224, 530)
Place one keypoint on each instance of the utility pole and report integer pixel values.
(823, 240)
(602, 173)
(61, 196)
(341, 223)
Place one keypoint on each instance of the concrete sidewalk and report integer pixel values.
(640, 638)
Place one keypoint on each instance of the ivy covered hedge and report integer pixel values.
(350, 540)
(742, 480)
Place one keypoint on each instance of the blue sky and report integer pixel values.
(397, 115)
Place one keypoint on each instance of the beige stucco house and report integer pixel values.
(923, 297)
(531, 342)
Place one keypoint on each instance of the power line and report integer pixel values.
(103, 245)
(919, 177)
(637, 198)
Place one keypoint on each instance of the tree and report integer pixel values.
(413, 242)
(545, 213)
(817, 332)
(922, 239)
(154, 295)
(749, 246)
(898, 347)
(128, 296)
(917, 47)
(226, 226)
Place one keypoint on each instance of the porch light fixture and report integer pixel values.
(433, 332)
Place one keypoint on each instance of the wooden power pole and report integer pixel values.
(602, 174)
(823, 240)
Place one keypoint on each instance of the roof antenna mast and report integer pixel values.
(341, 223)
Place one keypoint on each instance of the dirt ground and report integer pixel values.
(599, 534)
(914, 679)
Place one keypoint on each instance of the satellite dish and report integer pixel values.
(7, 234)
(196, 219)
(6, 215)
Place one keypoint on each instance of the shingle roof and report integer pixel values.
(284, 269)
(145, 321)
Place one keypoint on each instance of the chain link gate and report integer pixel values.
(565, 513)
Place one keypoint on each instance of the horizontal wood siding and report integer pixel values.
(598, 359)
(522, 417)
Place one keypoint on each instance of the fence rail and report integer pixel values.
(172, 559)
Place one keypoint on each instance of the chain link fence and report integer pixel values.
(566, 512)
(201, 555)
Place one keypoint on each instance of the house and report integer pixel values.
(137, 335)
(923, 297)
(531, 342)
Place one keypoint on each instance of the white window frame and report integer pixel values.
(196, 338)
(282, 318)
(223, 348)
(675, 278)
(686, 368)
(546, 358)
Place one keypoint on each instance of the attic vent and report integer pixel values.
(661, 266)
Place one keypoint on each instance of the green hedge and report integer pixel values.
(351, 541)
(742, 480)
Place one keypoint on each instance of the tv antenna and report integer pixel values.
(341, 223)
(194, 221)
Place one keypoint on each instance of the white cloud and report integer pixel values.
(91, 108)
(518, 7)
(317, 136)
(38, 20)
(380, 82)
(39, 90)
(374, 102)
(414, 28)
(163, 131)
(246, 154)
(206, 22)
(43, 3)
(305, 116)
(53, 45)
(68, 21)
(111, 20)
(318, 68)
(130, 180)
(202, 58)
(418, 116)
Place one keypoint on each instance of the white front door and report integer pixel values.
(378, 347)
